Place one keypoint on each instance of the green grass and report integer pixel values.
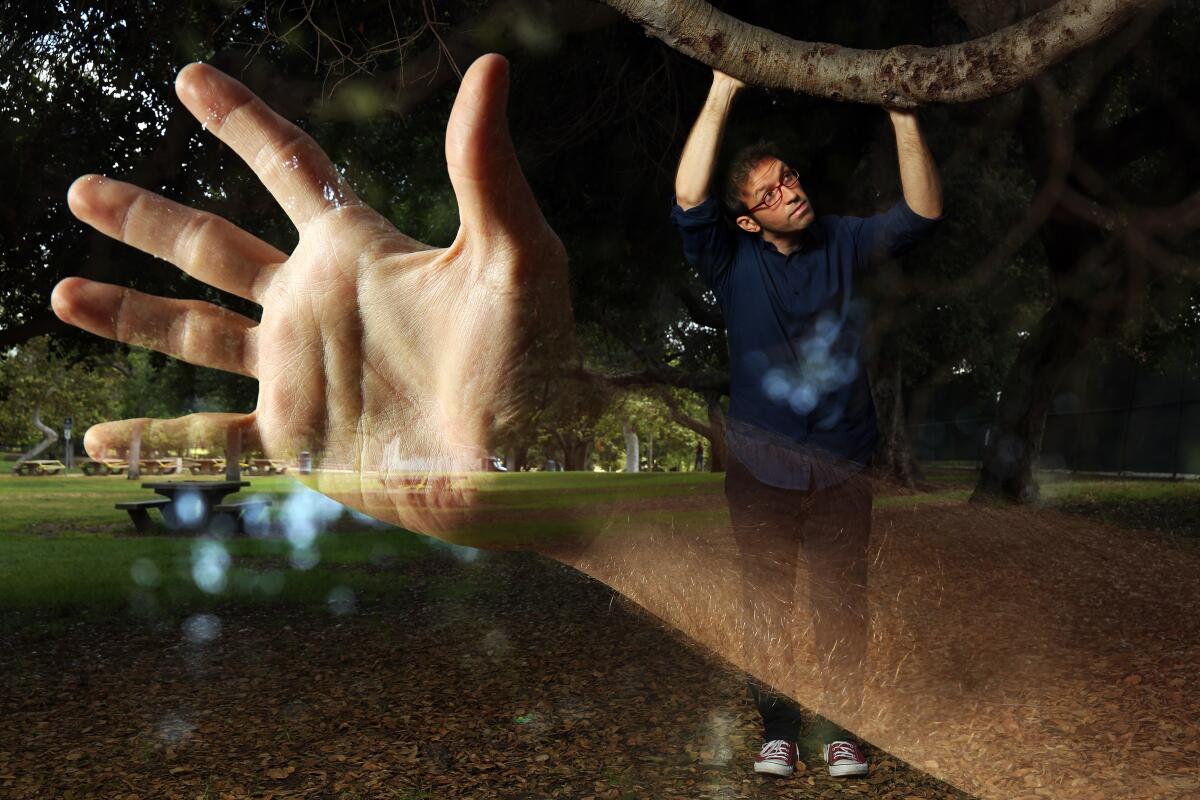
(65, 550)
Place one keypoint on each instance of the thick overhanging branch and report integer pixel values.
(904, 76)
(689, 422)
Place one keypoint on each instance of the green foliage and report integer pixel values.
(33, 377)
(118, 384)
(649, 416)
(599, 119)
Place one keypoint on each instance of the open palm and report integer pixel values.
(381, 355)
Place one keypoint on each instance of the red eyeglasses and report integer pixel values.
(772, 196)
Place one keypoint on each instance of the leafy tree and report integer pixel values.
(38, 389)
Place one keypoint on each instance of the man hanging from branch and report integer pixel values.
(802, 425)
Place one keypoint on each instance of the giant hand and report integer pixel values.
(378, 353)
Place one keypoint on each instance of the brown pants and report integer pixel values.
(779, 533)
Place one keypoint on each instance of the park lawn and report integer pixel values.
(65, 549)
(66, 552)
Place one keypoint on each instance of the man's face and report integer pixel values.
(776, 207)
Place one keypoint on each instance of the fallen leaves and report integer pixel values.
(401, 700)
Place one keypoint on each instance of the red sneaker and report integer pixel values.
(844, 759)
(777, 757)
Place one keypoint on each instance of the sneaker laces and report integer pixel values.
(780, 749)
(844, 750)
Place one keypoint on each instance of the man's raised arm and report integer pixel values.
(700, 152)
(918, 173)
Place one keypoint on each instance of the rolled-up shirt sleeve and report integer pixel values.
(708, 245)
(890, 234)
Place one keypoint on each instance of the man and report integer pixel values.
(801, 424)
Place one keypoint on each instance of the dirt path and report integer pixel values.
(530, 683)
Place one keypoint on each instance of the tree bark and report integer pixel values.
(1015, 440)
(893, 456)
(575, 455)
(714, 431)
(905, 76)
(517, 458)
(716, 423)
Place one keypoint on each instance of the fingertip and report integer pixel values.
(188, 79)
(208, 93)
(94, 443)
(493, 64)
(488, 75)
(60, 298)
(79, 194)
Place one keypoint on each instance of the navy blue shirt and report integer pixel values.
(800, 407)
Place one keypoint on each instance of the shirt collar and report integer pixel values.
(812, 237)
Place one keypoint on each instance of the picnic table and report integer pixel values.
(181, 512)
(158, 466)
(105, 466)
(39, 467)
(204, 466)
(267, 466)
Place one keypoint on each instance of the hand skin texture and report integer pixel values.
(380, 354)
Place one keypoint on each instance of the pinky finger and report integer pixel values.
(207, 431)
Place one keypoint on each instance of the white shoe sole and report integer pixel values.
(773, 769)
(848, 770)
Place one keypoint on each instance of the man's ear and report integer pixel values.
(747, 223)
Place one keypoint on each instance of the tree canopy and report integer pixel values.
(1077, 162)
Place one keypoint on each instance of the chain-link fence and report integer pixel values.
(1107, 416)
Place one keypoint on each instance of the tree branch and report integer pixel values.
(904, 76)
(691, 423)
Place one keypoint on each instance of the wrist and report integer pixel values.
(726, 83)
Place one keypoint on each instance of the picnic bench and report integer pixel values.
(139, 511)
(204, 466)
(238, 513)
(267, 466)
(39, 467)
(158, 466)
(105, 466)
(210, 509)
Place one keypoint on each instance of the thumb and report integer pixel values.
(494, 199)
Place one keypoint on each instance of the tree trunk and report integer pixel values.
(1015, 440)
(575, 454)
(893, 456)
(716, 426)
(632, 463)
(1097, 285)
(517, 458)
(51, 435)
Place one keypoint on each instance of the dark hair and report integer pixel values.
(740, 167)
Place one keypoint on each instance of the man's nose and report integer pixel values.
(792, 193)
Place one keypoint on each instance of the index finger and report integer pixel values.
(290, 164)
